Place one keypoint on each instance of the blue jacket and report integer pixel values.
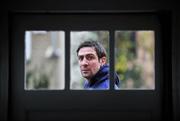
(101, 80)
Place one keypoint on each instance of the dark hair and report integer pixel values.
(100, 50)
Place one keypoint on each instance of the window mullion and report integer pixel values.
(67, 60)
(111, 59)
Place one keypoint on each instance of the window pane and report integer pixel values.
(134, 59)
(44, 60)
(78, 78)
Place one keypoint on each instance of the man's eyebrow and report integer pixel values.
(80, 56)
(86, 54)
(90, 54)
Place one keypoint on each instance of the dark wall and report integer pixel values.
(46, 6)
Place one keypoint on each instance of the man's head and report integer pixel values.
(91, 56)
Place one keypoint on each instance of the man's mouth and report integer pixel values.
(84, 71)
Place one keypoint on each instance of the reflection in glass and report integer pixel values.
(134, 59)
(44, 60)
(77, 37)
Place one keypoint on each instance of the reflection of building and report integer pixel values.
(45, 55)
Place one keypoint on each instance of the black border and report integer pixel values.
(165, 21)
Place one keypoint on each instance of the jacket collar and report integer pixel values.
(101, 76)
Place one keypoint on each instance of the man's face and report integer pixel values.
(89, 62)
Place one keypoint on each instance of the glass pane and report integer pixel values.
(134, 59)
(44, 60)
(86, 64)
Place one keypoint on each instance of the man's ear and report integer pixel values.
(103, 61)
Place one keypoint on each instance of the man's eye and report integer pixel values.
(89, 57)
(80, 58)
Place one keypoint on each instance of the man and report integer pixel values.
(93, 66)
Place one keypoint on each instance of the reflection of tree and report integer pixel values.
(37, 80)
(130, 70)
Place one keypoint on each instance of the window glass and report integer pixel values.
(134, 59)
(44, 60)
(79, 76)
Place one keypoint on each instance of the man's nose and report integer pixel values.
(84, 61)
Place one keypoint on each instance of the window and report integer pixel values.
(134, 59)
(44, 60)
(51, 61)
